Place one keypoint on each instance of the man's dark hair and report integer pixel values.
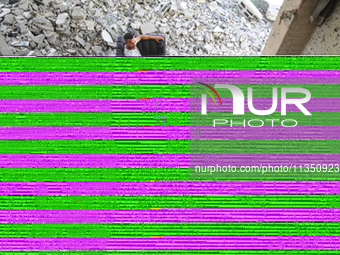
(128, 36)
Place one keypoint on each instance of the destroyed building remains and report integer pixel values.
(91, 28)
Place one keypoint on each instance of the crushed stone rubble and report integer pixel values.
(91, 28)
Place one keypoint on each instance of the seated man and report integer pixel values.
(130, 49)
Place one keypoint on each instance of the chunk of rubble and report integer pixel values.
(213, 6)
(23, 5)
(9, 19)
(62, 19)
(249, 10)
(5, 50)
(148, 28)
(80, 40)
(110, 3)
(20, 43)
(183, 6)
(39, 24)
(52, 39)
(4, 11)
(273, 9)
(78, 13)
(97, 50)
(218, 30)
(90, 25)
(107, 37)
(39, 39)
(141, 12)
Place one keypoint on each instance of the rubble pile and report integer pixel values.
(91, 28)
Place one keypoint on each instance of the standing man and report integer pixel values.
(131, 49)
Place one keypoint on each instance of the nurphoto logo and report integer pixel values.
(239, 104)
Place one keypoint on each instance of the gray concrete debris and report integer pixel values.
(21, 44)
(39, 39)
(9, 19)
(128, 12)
(53, 39)
(218, 30)
(91, 27)
(39, 24)
(97, 50)
(249, 10)
(148, 28)
(78, 13)
(80, 41)
(110, 3)
(62, 19)
(23, 5)
(5, 50)
(4, 11)
(107, 37)
(141, 12)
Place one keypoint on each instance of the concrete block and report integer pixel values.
(4, 48)
(148, 28)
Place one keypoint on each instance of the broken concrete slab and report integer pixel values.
(62, 7)
(51, 52)
(218, 29)
(78, 13)
(39, 24)
(53, 38)
(107, 37)
(174, 9)
(183, 6)
(39, 39)
(4, 11)
(62, 19)
(136, 25)
(4, 48)
(127, 12)
(9, 19)
(72, 51)
(188, 16)
(18, 12)
(87, 46)
(80, 40)
(213, 6)
(249, 10)
(110, 3)
(97, 50)
(17, 43)
(27, 15)
(23, 52)
(90, 25)
(163, 8)
(148, 28)
(230, 45)
(23, 5)
(141, 12)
